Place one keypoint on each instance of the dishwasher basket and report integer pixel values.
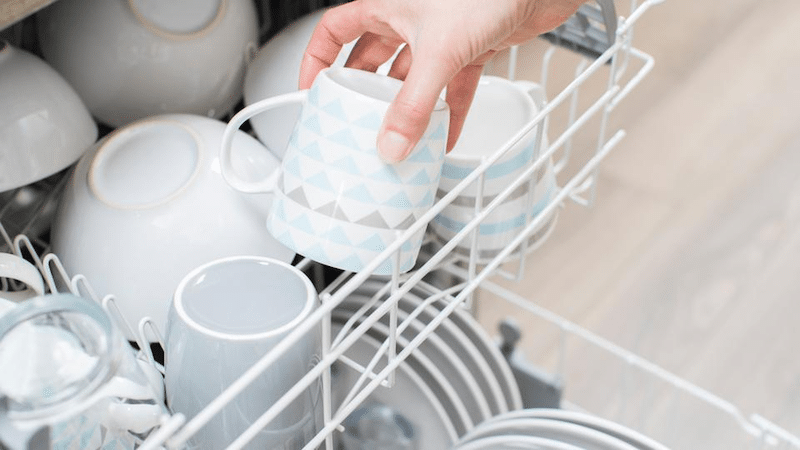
(642, 396)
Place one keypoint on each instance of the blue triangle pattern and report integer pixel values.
(426, 202)
(385, 268)
(348, 165)
(438, 133)
(387, 174)
(345, 138)
(317, 253)
(334, 108)
(374, 243)
(312, 123)
(313, 96)
(420, 179)
(406, 247)
(370, 121)
(407, 265)
(422, 155)
(292, 166)
(399, 200)
(360, 193)
(286, 239)
(352, 263)
(312, 151)
(338, 236)
(303, 224)
(86, 438)
(321, 181)
(279, 211)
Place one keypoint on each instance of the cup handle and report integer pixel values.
(226, 163)
(17, 268)
(535, 90)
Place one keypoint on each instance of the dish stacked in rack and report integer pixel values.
(554, 429)
(455, 390)
(456, 379)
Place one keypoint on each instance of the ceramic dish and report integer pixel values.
(487, 347)
(515, 442)
(148, 204)
(569, 433)
(621, 432)
(485, 133)
(445, 359)
(429, 372)
(130, 59)
(44, 125)
(275, 70)
(535, 241)
(452, 336)
(410, 395)
(5, 305)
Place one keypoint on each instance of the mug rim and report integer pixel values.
(185, 318)
(26, 273)
(107, 360)
(441, 105)
(476, 160)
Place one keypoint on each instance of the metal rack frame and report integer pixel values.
(623, 67)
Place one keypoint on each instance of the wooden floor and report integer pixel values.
(691, 255)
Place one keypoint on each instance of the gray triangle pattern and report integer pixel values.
(405, 224)
(340, 215)
(374, 220)
(299, 196)
(328, 209)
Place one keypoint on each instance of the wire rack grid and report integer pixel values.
(620, 69)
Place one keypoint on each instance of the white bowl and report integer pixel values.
(275, 71)
(44, 125)
(148, 204)
(130, 59)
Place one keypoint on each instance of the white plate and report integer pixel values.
(515, 442)
(452, 335)
(491, 352)
(449, 362)
(410, 396)
(569, 433)
(619, 431)
(428, 371)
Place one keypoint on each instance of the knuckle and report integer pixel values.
(413, 112)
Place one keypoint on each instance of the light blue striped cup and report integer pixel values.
(500, 110)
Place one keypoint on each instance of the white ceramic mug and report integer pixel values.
(485, 132)
(275, 71)
(147, 204)
(224, 317)
(336, 201)
(16, 268)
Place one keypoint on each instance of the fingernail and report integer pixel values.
(393, 147)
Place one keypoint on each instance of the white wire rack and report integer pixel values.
(673, 410)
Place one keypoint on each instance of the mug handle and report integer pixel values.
(226, 163)
(535, 90)
(17, 268)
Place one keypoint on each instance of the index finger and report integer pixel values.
(337, 27)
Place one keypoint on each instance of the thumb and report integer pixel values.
(409, 114)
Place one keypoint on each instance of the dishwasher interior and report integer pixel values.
(567, 360)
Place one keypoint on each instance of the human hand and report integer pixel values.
(447, 44)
